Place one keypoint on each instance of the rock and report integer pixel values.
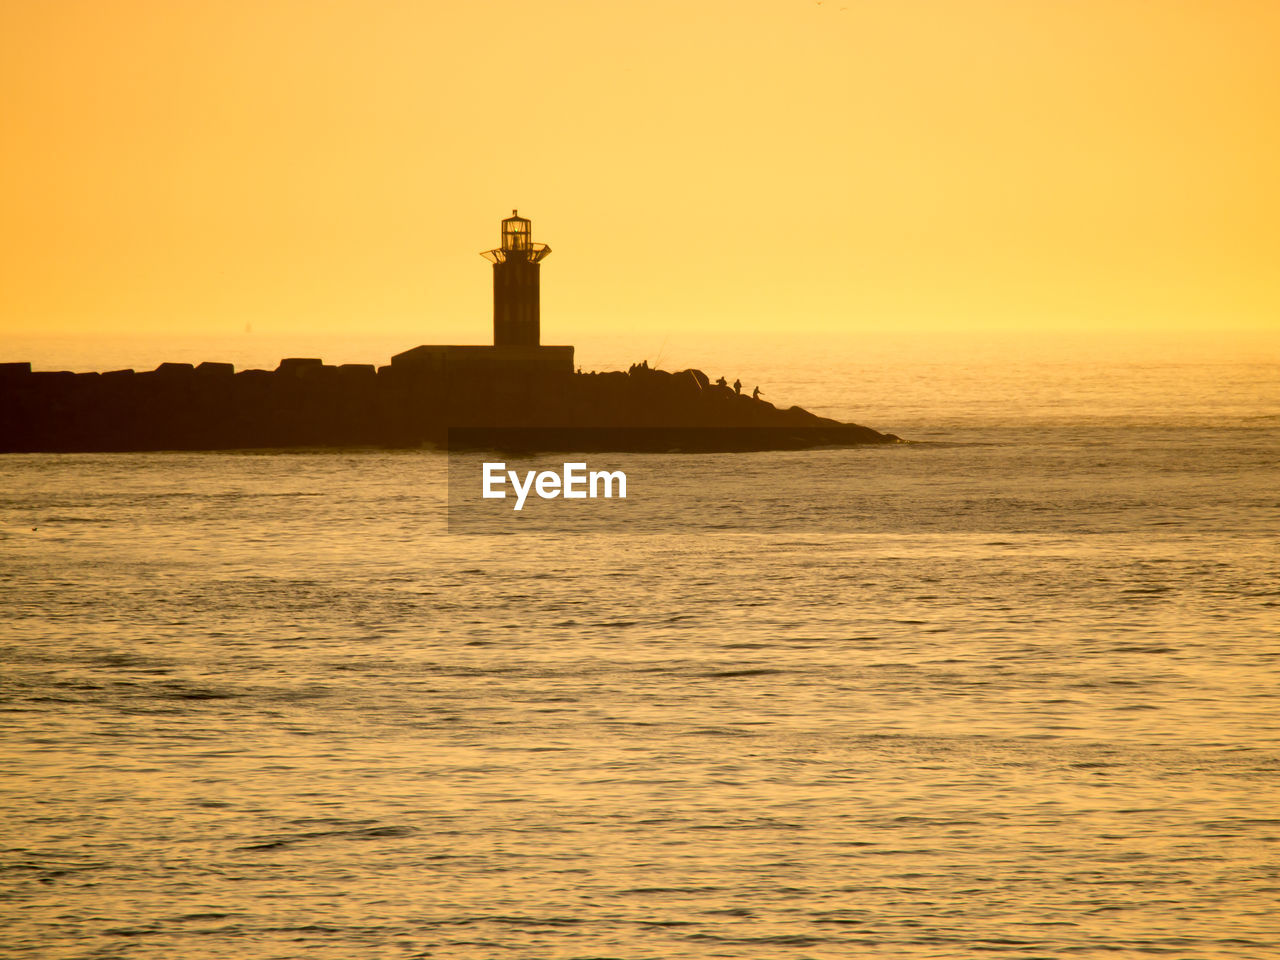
(212, 369)
(316, 371)
(292, 365)
(703, 380)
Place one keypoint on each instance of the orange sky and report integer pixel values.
(860, 165)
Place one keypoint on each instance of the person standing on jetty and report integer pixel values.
(755, 394)
(737, 386)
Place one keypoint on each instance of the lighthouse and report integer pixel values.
(517, 363)
(516, 321)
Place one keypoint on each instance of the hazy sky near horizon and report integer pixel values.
(1087, 166)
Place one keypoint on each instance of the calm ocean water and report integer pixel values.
(1008, 691)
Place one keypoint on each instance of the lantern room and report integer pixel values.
(517, 232)
(517, 242)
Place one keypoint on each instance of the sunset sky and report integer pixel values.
(854, 165)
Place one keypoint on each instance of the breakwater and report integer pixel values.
(305, 402)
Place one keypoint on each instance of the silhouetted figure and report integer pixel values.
(722, 382)
(737, 386)
(755, 394)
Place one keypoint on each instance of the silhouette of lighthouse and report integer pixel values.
(516, 320)
(517, 360)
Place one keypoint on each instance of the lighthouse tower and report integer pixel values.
(516, 320)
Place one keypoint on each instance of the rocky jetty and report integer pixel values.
(307, 403)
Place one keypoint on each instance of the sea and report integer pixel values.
(1006, 690)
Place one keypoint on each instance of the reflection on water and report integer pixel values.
(1019, 696)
